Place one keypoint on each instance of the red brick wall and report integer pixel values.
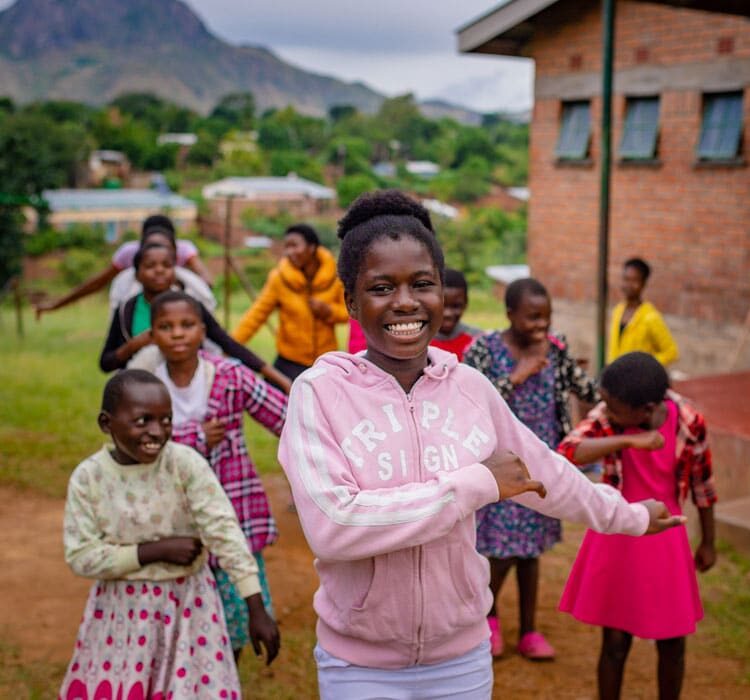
(692, 224)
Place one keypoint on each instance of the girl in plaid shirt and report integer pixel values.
(209, 396)
(654, 446)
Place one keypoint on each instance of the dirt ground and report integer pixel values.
(42, 600)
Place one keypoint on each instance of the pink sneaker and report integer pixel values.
(534, 646)
(496, 636)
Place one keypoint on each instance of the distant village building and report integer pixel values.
(264, 195)
(180, 139)
(424, 169)
(680, 176)
(116, 211)
(107, 165)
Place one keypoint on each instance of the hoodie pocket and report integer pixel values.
(362, 602)
(457, 591)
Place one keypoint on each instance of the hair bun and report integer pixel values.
(382, 203)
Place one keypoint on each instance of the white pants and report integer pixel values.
(466, 677)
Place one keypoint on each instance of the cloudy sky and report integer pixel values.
(395, 46)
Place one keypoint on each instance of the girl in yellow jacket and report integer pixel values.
(636, 324)
(307, 292)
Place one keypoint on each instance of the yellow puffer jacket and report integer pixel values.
(301, 337)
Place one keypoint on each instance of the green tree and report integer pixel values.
(284, 162)
(204, 151)
(339, 113)
(236, 108)
(36, 153)
(348, 188)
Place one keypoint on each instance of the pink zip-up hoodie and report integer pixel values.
(386, 485)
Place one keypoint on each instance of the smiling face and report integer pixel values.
(298, 250)
(398, 300)
(156, 270)
(454, 305)
(530, 321)
(178, 331)
(141, 424)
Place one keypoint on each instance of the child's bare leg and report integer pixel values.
(671, 669)
(527, 575)
(615, 649)
(499, 569)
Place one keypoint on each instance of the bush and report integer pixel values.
(78, 265)
(47, 240)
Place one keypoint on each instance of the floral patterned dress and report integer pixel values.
(508, 529)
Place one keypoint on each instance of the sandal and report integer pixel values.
(534, 646)
(496, 636)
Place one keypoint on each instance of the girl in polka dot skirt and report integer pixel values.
(140, 516)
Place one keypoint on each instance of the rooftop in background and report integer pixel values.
(267, 187)
(81, 200)
(505, 274)
(505, 29)
(181, 139)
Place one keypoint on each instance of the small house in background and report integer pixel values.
(264, 195)
(503, 275)
(424, 169)
(179, 139)
(116, 211)
(108, 167)
(680, 177)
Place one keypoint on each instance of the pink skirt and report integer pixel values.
(152, 639)
(642, 585)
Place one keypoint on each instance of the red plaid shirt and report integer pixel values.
(693, 469)
(236, 389)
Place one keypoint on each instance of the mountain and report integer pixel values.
(93, 50)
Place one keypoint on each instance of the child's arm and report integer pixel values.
(570, 495)
(89, 286)
(589, 450)
(263, 402)
(217, 523)
(261, 309)
(86, 552)
(228, 344)
(666, 348)
(705, 554)
(117, 349)
(583, 386)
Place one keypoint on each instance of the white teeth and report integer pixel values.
(404, 328)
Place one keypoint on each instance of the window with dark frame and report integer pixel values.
(721, 129)
(641, 129)
(575, 131)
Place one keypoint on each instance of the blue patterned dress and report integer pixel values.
(508, 529)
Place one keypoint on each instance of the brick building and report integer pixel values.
(680, 177)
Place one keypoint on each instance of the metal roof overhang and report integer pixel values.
(505, 30)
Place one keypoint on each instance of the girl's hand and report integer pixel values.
(214, 431)
(527, 367)
(660, 518)
(650, 440)
(319, 308)
(263, 629)
(512, 475)
(173, 550)
(705, 556)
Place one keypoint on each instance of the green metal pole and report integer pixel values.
(608, 46)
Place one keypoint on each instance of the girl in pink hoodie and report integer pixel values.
(390, 454)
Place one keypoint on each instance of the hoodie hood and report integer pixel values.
(364, 373)
(295, 279)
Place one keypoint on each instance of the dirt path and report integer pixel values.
(42, 601)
